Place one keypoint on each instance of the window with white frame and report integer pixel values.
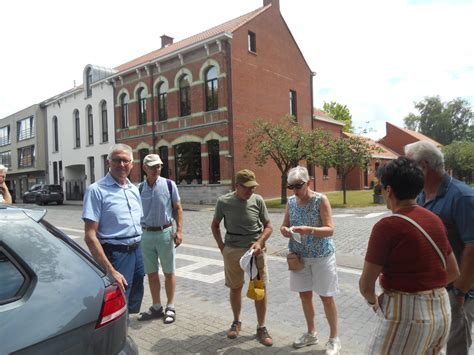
(124, 107)
(105, 127)
(55, 134)
(211, 89)
(90, 126)
(77, 130)
(25, 128)
(5, 138)
(184, 95)
(162, 101)
(141, 98)
(89, 82)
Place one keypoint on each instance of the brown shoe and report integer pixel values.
(234, 329)
(263, 336)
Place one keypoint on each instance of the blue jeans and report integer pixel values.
(130, 265)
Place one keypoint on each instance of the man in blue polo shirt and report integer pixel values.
(161, 202)
(453, 201)
(112, 212)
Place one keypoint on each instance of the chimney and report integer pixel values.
(166, 41)
(274, 3)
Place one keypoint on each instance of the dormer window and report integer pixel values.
(89, 82)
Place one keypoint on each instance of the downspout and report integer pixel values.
(153, 125)
(230, 116)
(311, 75)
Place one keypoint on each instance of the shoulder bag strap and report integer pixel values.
(443, 260)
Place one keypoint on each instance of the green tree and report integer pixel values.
(345, 154)
(459, 156)
(443, 122)
(285, 142)
(339, 113)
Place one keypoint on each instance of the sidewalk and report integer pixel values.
(204, 314)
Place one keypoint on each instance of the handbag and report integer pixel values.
(295, 262)
(256, 289)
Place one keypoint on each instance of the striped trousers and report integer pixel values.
(411, 323)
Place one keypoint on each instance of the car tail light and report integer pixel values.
(114, 305)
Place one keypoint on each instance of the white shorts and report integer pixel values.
(319, 275)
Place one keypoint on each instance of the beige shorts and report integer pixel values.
(234, 275)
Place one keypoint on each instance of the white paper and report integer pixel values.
(296, 236)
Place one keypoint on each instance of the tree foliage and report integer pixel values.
(443, 122)
(339, 113)
(459, 156)
(345, 154)
(286, 143)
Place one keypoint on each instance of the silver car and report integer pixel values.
(54, 298)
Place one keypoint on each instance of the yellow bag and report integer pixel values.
(256, 290)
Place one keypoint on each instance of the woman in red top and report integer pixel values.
(413, 309)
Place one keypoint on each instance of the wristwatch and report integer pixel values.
(457, 292)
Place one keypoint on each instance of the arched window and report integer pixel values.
(163, 152)
(214, 161)
(211, 89)
(89, 82)
(143, 153)
(124, 106)
(77, 129)
(55, 134)
(105, 127)
(90, 126)
(141, 98)
(163, 101)
(188, 163)
(185, 100)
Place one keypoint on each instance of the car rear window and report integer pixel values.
(13, 278)
(54, 188)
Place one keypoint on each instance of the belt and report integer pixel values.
(121, 247)
(157, 229)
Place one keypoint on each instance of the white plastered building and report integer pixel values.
(80, 131)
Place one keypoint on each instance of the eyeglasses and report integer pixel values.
(296, 186)
(121, 161)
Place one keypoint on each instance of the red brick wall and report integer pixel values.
(260, 88)
(396, 139)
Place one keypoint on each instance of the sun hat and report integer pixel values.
(246, 265)
(246, 178)
(152, 160)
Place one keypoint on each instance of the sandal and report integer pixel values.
(152, 313)
(170, 315)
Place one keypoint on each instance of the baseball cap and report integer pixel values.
(245, 263)
(152, 160)
(246, 178)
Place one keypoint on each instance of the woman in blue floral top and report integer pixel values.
(309, 226)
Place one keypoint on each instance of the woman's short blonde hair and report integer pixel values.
(297, 174)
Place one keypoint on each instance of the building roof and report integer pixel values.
(323, 116)
(227, 27)
(383, 151)
(419, 136)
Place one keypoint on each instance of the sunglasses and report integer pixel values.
(296, 186)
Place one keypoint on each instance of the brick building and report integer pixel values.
(397, 138)
(193, 101)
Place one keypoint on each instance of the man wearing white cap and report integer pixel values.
(161, 202)
(248, 227)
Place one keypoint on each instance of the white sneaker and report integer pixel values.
(305, 340)
(333, 346)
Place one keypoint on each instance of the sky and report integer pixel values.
(377, 57)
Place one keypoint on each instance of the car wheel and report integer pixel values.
(60, 202)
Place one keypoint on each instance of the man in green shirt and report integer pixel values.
(247, 227)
